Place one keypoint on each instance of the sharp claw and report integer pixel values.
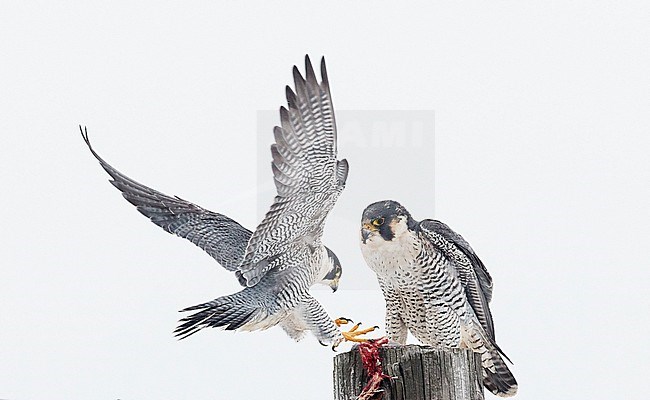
(342, 321)
(337, 342)
(354, 333)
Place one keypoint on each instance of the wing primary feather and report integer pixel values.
(282, 143)
(298, 80)
(323, 75)
(325, 86)
(493, 342)
(277, 135)
(309, 71)
(285, 119)
(291, 97)
(277, 157)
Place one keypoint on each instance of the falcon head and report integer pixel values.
(384, 221)
(333, 270)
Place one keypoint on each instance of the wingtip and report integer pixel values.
(284, 117)
(323, 73)
(296, 72)
(298, 80)
(309, 71)
(291, 97)
(184, 334)
(84, 134)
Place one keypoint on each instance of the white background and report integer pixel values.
(542, 123)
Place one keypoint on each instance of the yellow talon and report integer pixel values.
(353, 334)
(352, 338)
(367, 330)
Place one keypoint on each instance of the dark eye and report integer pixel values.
(378, 221)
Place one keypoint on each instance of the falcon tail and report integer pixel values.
(497, 378)
(232, 312)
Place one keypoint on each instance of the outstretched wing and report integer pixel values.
(307, 174)
(473, 275)
(221, 237)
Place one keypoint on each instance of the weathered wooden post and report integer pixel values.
(419, 373)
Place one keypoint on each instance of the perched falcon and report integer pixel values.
(284, 257)
(434, 285)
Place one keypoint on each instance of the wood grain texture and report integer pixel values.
(419, 373)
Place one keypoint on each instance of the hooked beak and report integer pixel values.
(334, 285)
(365, 234)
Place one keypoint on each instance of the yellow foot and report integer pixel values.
(354, 332)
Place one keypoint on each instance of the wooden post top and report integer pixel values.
(418, 373)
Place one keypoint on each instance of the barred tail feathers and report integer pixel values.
(238, 311)
(497, 376)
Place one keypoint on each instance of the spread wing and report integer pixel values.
(307, 174)
(221, 237)
(473, 275)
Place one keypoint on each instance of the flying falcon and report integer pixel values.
(434, 285)
(278, 262)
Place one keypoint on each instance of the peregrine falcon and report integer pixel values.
(278, 262)
(435, 286)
